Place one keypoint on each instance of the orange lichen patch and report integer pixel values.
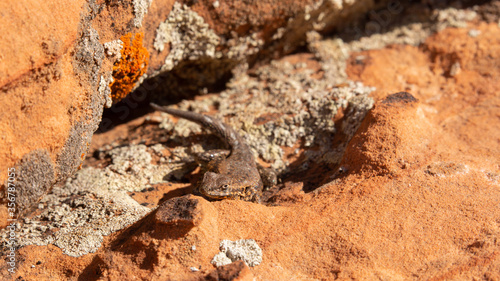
(130, 67)
(83, 155)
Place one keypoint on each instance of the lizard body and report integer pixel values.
(229, 174)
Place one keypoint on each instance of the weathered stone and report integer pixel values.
(180, 212)
(59, 75)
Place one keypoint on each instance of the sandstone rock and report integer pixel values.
(76, 57)
(420, 200)
(183, 213)
(51, 106)
(188, 220)
(237, 271)
(410, 132)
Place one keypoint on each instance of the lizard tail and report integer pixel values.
(224, 131)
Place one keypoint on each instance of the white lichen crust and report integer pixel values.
(113, 49)
(105, 90)
(189, 36)
(246, 250)
(221, 259)
(303, 107)
(140, 10)
(94, 203)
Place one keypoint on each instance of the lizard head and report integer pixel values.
(217, 186)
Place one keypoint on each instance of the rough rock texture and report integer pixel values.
(49, 111)
(75, 57)
(246, 250)
(415, 195)
(237, 271)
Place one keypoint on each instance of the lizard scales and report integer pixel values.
(232, 175)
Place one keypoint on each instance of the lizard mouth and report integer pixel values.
(222, 192)
(215, 195)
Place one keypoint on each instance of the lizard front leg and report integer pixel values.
(268, 176)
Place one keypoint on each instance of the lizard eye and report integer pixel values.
(225, 186)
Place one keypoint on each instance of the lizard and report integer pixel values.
(229, 174)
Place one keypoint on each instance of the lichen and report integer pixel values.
(132, 65)
(113, 49)
(130, 170)
(105, 90)
(286, 105)
(246, 250)
(453, 17)
(189, 36)
(35, 176)
(92, 204)
(88, 59)
(140, 10)
(76, 222)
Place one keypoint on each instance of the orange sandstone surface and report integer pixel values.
(419, 199)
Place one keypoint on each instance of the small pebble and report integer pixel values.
(474, 33)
